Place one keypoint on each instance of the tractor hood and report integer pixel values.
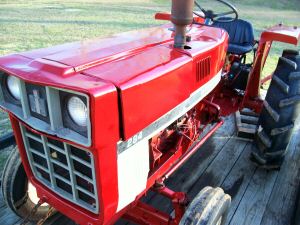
(150, 76)
(88, 56)
(90, 53)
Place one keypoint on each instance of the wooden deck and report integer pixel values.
(258, 197)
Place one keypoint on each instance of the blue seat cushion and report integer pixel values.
(241, 36)
(239, 49)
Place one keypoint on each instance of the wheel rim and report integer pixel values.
(32, 194)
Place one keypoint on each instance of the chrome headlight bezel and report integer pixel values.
(53, 122)
(67, 119)
(77, 110)
(15, 90)
(6, 92)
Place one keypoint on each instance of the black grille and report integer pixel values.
(65, 169)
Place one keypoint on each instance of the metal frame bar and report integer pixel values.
(278, 33)
(145, 214)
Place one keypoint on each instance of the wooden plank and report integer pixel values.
(7, 217)
(59, 219)
(4, 121)
(194, 167)
(190, 172)
(249, 119)
(7, 140)
(247, 132)
(220, 167)
(238, 180)
(244, 129)
(238, 119)
(282, 202)
(296, 216)
(255, 199)
(249, 112)
(2, 204)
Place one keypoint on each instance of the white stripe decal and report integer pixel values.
(133, 169)
(133, 157)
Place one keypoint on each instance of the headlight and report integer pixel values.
(13, 87)
(77, 111)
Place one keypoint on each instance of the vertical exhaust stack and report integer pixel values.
(182, 15)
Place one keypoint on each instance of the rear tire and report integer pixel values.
(209, 207)
(280, 111)
(15, 189)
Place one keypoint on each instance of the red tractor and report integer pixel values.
(100, 123)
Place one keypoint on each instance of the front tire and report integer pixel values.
(209, 207)
(18, 193)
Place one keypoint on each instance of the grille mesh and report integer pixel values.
(65, 169)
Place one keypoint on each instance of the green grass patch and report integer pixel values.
(35, 24)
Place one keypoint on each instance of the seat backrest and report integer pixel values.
(240, 31)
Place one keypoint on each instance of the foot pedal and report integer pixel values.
(246, 123)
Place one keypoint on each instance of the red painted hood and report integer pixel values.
(141, 65)
(93, 57)
(88, 53)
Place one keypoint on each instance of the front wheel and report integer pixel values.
(18, 192)
(209, 207)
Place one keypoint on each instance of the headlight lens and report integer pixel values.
(77, 111)
(13, 87)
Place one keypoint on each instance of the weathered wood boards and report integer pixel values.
(258, 197)
(282, 202)
(7, 140)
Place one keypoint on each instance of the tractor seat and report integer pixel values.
(241, 36)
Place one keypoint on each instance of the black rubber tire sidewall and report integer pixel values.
(287, 114)
(203, 202)
(14, 188)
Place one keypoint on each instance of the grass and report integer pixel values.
(36, 24)
(26, 25)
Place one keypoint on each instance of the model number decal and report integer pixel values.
(135, 139)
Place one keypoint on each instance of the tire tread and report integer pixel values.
(287, 62)
(272, 112)
(280, 111)
(281, 84)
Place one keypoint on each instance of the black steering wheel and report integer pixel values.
(211, 17)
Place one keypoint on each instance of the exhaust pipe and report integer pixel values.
(181, 16)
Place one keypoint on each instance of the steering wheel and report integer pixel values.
(211, 17)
